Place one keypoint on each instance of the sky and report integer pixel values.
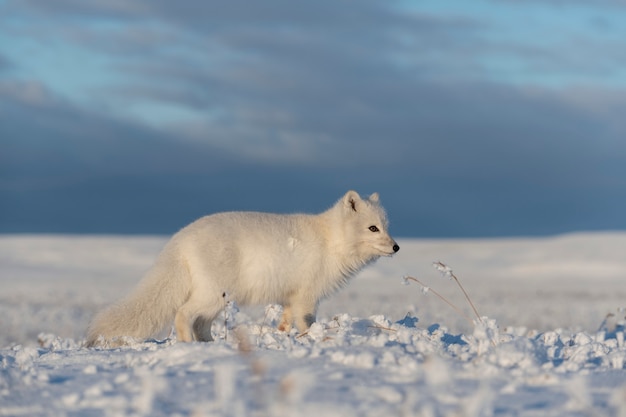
(471, 119)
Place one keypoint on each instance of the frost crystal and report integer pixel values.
(445, 270)
(405, 280)
(425, 290)
(230, 310)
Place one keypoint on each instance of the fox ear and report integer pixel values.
(374, 198)
(351, 200)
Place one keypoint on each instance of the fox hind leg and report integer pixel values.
(181, 324)
(202, 329)
(193, 320)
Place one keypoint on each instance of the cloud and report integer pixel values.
(454, 164)
(5, 64)
(281, 106)
(35, 120)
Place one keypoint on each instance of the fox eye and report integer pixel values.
(374, 229)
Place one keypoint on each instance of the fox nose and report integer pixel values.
(396, 248)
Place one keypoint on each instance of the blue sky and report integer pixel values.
(481, 118)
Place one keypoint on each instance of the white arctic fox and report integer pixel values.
(294, 260)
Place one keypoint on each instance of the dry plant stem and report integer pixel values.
(606, 318)
(224, 295)
(467, 298)
(447, 271)
(264, 322)
(442, 298)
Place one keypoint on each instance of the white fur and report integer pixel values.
(255, 258)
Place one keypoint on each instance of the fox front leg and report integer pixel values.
(305, 321)
(304, 313)
(287, 319)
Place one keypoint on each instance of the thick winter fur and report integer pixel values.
(294, 260)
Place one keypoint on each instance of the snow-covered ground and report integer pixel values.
(380, 348)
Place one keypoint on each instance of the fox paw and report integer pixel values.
(284, 327)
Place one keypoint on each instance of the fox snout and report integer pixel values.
(389, 245)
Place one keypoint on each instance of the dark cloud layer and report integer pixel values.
(292, 105)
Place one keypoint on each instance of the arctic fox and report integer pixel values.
(294, 260)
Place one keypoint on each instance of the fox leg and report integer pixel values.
(193, 320)
(287, 319)
(181, 323)
(202, 329)
(304, 312)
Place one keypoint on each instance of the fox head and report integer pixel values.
(365, 227)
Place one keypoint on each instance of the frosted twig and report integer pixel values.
(228, 306)
(447, 271)
(603, 325)
(407, 278)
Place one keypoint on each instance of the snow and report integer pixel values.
(550, 340)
